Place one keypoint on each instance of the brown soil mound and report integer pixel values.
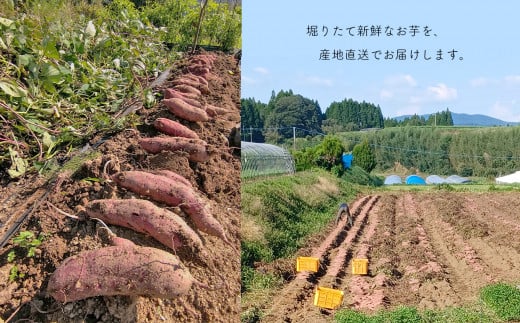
(217, 179)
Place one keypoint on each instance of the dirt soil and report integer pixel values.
(428, 250)
(218, 180)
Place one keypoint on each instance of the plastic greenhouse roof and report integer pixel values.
(456, 179)
(415, 180)
(435, 179)
(393, 179)
(509, 179)
(258, 149)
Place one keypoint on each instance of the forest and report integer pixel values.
(430, 145)
(289, 115)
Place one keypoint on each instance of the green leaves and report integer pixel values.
(65, 78)
(49, 49)
(504, 299)
(10, 88)
(18, 164)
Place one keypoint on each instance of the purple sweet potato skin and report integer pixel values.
(174, 128)
(174, 193)
(120, 270)
(145, 217)
(173, 176)
(157, 187)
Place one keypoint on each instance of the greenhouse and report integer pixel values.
(456, 179)
(393, 179)
(415, 180)
(265, 159)
(435, 179)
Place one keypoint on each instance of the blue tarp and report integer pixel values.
(415, 180)
(435, 179)
(393, 179)
(347, 160)
(456, 179)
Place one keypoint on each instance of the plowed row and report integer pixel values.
(428, 250)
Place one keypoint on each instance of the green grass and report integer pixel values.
(287, 209)
(504, 299)
(498, 303)
(408, 314)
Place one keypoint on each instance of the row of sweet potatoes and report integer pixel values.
(128, 269)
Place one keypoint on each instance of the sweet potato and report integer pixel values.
(173, 176)
(203, 88)
(174, 128)
(206, 58)
(163, 189)
(196, 78)
(173, 93)
(145, 217)
(185, 110)
(201, 60)
(120, 270)
(200, 215)
(196, 148)
(191, 99)
(159, 188)
(187, 89)
(213, 111)
(199, 70)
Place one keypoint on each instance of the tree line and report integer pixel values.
(288, 114)
(483, 152)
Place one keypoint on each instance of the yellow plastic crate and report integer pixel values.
(328, 297)
(359, 266)
(307, 264)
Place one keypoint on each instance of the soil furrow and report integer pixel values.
(295, 301)
(429, 250)
(461, 259)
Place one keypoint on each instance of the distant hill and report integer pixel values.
(464, 119)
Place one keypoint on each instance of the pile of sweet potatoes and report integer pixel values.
(128, 269)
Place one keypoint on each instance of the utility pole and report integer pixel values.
(294, 137)
(251, 133)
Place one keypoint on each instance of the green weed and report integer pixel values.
(504, 299)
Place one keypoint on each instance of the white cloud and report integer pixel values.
(400, 80)
(512, 79)
(506, 111)
(261, 70)
(441, 92)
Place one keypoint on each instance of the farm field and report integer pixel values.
(429, 250)
(217, 180)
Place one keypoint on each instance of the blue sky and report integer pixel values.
(484, 77)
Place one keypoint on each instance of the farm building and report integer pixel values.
(393, 180)
(415, 180)
(435, 179)
(265, 159)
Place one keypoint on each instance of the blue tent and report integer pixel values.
(347, 160)
(393, 179)
(435, 179)
(415, 180)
